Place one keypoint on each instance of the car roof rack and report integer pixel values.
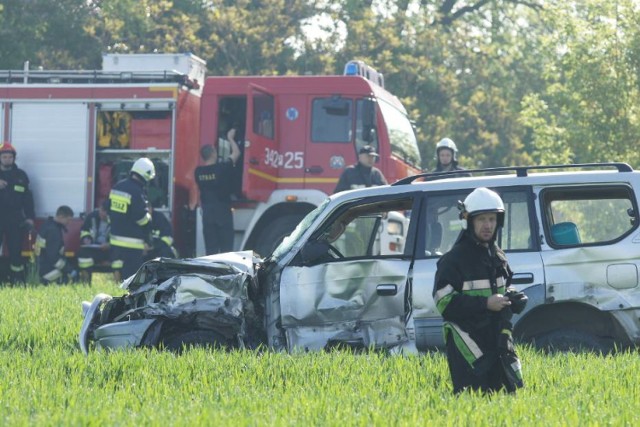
(521, 171)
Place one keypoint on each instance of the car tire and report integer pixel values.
(195, 339)
(273, 234)
(571, 341)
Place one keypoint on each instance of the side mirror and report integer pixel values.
(313, 251)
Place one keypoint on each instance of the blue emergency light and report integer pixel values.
(359, 68)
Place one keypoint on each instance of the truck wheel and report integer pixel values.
(273, 234)
(193, 339)
(572, 340)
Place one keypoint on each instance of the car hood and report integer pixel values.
(229, 264)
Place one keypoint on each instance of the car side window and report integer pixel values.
(516, 233)
(443, 224)
(364, 230)
(590, 215)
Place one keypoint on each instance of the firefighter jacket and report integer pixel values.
(454, 167)
(50, 250)
(95, 229)
(467, 275)
(359, 176)
(129, 215)
(16, 200)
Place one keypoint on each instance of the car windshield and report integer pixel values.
(289, 241)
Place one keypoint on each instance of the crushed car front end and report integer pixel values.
(171, 303)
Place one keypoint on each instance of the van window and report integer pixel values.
(332, 119)
(591, 215)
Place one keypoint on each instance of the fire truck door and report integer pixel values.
(262, 159)
(51, 139)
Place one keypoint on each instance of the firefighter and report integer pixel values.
(94, 241)
(469, 292)
(53, 266)
(16, 209)
(362, 174)
(162, 237)
(214, 180)
(447, 158)
(130, 219)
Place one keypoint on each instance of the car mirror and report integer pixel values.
(314, 250)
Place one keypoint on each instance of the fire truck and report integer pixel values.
(77, 133)
(299, 134)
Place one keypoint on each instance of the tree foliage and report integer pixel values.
(511, 81)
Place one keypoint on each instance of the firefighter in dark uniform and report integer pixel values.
(214, 180)
(469, 292)
(94, 241)
(362, 174)
(53, 266)
(162, 237)
(16, 209)
(447, 159)
(130, 219)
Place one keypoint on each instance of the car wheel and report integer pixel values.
(572, 340)
(272, 235)
(195, 339)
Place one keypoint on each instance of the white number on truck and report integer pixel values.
(286, 160)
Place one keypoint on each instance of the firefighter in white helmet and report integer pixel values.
(130, 219)
(470, 292)
(447, 158)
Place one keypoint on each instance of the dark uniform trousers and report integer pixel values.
(476, 338)
(52, 263)
(16, 204)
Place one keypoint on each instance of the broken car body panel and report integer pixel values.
(358, 271)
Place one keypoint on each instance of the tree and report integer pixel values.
(589, 101)
(47, 34)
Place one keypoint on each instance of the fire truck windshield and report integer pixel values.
(403, 141)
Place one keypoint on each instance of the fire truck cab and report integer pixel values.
(299, 134)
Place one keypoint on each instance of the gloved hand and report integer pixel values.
(518, 300)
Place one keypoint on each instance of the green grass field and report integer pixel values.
(47, 381)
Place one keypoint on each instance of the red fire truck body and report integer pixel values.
(299, 134)
(78, 132)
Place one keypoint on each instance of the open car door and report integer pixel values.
(350, 283)
(261, 162)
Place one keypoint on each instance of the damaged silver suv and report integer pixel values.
(358, 271)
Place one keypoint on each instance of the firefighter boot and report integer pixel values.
(85, 277)
(16, 274)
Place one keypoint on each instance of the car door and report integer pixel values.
(346, 287)
(439, 231)
(590, 250)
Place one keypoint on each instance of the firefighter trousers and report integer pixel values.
(11, 231)
(490, 378)
(126, 260)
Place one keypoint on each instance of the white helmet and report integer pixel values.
(481, 200)
(145, 168)
(447, 143)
